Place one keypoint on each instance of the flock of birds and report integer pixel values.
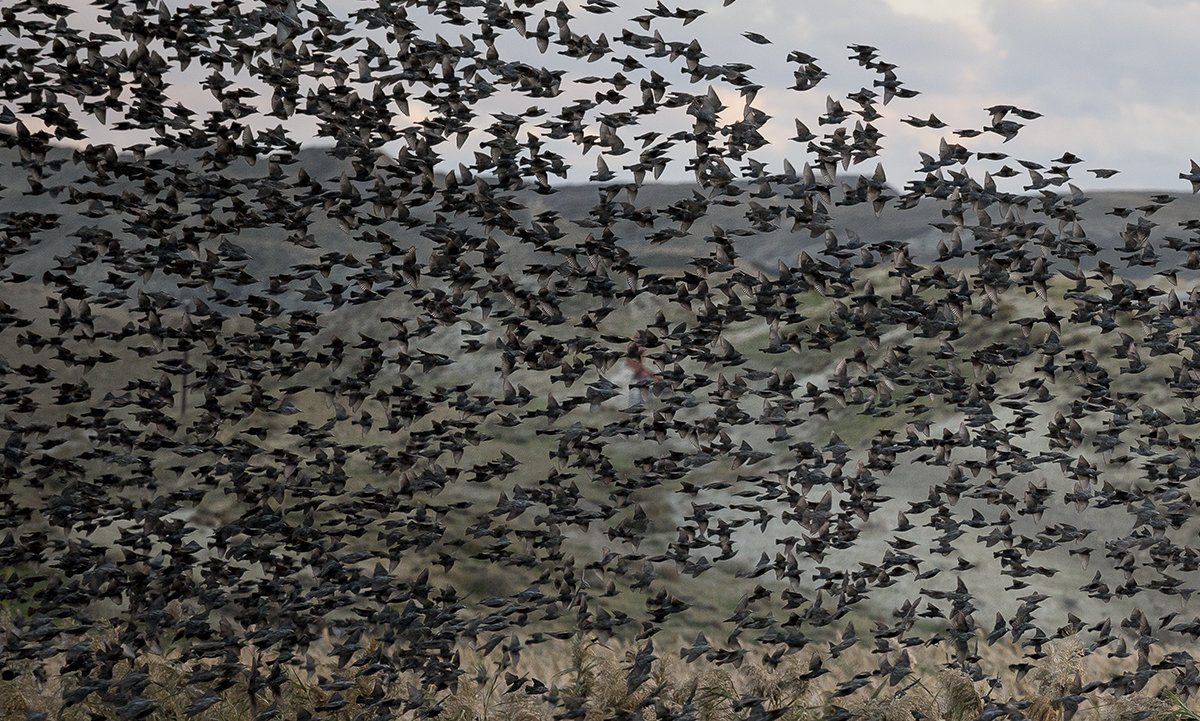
(355, 470)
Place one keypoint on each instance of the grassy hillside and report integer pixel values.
(289, 420)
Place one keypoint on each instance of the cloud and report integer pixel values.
(1113, 79)
(972, 17)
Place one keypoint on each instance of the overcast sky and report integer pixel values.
(1113, 79)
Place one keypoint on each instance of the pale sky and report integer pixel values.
(1112, 78)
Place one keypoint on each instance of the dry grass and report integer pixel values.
(583, 678)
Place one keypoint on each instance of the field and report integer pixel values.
(594, 679)
(825, 677)
(327, 392)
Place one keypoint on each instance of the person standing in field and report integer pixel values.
(641, 391)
